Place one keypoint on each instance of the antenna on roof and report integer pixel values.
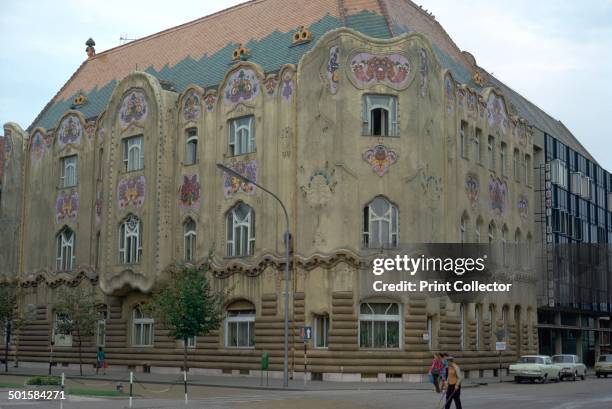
(123, 39)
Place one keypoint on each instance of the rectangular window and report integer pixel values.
(559, 172)
(191, 342)
(68, 177)
(380, 115)
(502, 158)
(463, 139)
(242, 135)
(133, 153)
(191, 147)
(379, 325)
(430, 332)
(515, 165)
(527, 170)
(143, 332)
(491, 152)
(240, 329)
(321, 330)
(477, 144)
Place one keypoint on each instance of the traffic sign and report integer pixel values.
(306, 333)
(500, 346)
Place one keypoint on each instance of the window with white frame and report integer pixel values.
(191, 147)
(240, 327)
(142, 328)
(380, 224)
(130, 240)
(462, 325)
(430, 332)
(240, 231)
(491, 152)
(101, 326)
(242, 135)
(321, 330)
(133, 153)
(68, 176)
(379, 325)
(189, 236)
(558, 170)
(191, 342)
(61, 337)
(64, 259)
(380, 115)
(491, 233)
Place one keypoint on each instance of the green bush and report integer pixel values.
(44, 380)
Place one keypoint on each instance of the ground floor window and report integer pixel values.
(240, 327)
(379, 325)
(143, 329)
(321, 329)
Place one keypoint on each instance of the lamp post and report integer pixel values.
(287, 238)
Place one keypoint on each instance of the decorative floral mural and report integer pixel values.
(210, 100)
(232, 184)
(381, 158)
(523, 208)
(498, 192)
(368, 69)
(189, 193)
(242, 85)
(66, 206)
(496, 112)
(133, 108)
(270, 84)
(191, 106)
(449, 92)
(333, 69)
(423, 70)
(287, 86)
(131, 192)
(472, 189)
(37, 149)
(70, 131)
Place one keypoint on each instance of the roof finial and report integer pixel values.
(91, 51)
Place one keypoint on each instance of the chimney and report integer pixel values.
(91, 51)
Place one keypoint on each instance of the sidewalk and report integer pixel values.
(241, 382)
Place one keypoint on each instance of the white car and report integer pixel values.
(571, 366)
(535, 367)
(603, 366)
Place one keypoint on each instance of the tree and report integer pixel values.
(77, 315)
(10, 318)
(186, 305)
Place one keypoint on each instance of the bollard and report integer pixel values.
(185, 381)
(131, 383)
(265, 363)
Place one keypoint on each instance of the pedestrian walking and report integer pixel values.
(435, 371)
(100, 361)
(453, 390)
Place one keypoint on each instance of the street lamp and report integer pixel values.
(287, 238)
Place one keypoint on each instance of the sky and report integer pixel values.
(558, 54)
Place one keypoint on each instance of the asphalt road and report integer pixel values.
(590, 394)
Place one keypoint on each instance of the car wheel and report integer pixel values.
(575, 376)
(583, 376)
(545, 379)
(598, 374)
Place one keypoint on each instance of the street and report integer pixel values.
(590, 394)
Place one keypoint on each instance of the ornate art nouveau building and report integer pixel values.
(363, 116)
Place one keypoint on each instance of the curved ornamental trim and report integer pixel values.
(393, 70)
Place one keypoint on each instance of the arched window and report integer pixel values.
(242, 135)
(518, 247)
(379, 115)
(240, 231)
(240, 325)
(189, 234)
(133, 153)
(491, 232)
(130, 240)
(191, 147)
(64, 260)
(504, 244)
(515, 165)
(379, 325)
(528, 250)
(491, 152)
(68, 177)
(502, 158)
(380, 224)
(142, 331)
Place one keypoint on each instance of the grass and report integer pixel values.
(94, 392)
(10, 385)
(44, 380)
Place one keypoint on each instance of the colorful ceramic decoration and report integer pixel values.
(423, 70)
(333, 72)
(232, 184)
(98, 205)
(523, 208)
(133, 108)
(270, 84)
(368, 69)
(191, 106)
(131, 192)
(460, 97)
(431, 185)
(242, 85)
(498, 192)
(287, 86)
(90, 129)
(472, 189)
(70, 131)
(37, 149)
(496, 112)
(210, 100)
(381, 158)
(448, 91)
(471, 102)
(189, 196)
(66, 206)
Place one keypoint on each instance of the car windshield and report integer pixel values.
(531, 360)
(565, 359)
(605, 358)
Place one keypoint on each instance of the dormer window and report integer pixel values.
(380, 115)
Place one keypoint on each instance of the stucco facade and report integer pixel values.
(452, 160)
